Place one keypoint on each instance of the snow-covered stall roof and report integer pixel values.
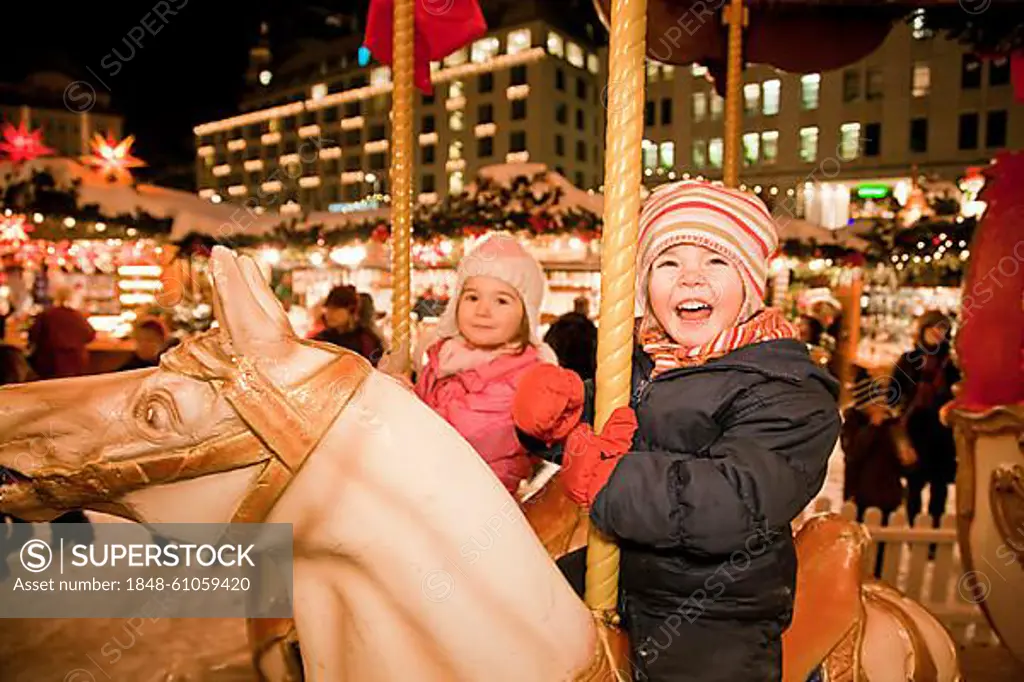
(547, 179)
(191, 213)
(803, 231)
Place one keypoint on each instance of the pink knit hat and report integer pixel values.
(501, 256)
(734, 224)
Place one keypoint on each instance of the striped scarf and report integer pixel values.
(766, 325)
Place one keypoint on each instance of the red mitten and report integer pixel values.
(589, 459)
(548, 403)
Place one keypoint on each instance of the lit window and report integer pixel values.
(668, 71)
(652, 71)
(650, 153)
(556, 45)
(593, 65)
(715, 152)
(455, 151)
(700, 106)
(519, 41)
(810, 86)
(700, 153)
(381, 75)
(318, 91)
(699, 71)
(668, 154)
(265, 77)
(922, 80)
(919, 25)
(751, 147)
(455, 121)
(751, 98)
(485, 49)
(849, 140)
(717, 104)
(574, 53)
(770, 100)
(769, 146)
(455, 182)
(456, 58)
(809, 144)
(455, 89)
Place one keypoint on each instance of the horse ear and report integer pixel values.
(236, 306)
(265, 298)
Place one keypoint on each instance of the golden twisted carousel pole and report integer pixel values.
(735, 16)
(401, 181)
(625, 101)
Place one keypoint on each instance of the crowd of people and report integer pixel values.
(732, 419)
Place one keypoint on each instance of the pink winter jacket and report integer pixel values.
(478, 403)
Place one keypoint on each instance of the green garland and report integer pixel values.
(456, 216)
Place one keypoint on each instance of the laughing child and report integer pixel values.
(736, 424)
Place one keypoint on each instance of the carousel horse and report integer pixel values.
(388, 504)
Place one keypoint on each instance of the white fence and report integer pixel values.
(939, 584)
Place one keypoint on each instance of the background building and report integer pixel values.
(919, 102)
(38, 100)
(316, 137)
(316, 130)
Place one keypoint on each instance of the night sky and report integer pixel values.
(190, 67)
(192, 70)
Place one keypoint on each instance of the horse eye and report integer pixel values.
(156, 415)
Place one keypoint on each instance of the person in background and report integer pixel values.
(59, 338)
(871, 440)
(924, 379)
(342, 328)
(367, 316)
(150, 342)
(812, 332)
(573, 337)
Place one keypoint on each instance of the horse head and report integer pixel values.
(141, 444)
(403, 537)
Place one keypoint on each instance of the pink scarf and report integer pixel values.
(456, 355)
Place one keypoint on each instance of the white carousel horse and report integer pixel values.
(383, 496)
(404, 542)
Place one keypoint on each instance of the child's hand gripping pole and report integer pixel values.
(589, 459)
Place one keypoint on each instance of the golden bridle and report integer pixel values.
(281, 427)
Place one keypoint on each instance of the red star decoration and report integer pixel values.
(20, 144)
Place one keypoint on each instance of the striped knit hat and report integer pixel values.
(734, 224)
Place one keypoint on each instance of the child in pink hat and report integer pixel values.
(488, 339)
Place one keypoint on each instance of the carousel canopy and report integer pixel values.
(803, 36)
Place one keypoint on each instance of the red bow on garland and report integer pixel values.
(441, 27)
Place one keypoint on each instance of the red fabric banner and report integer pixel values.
(441, 28)
(990, 343)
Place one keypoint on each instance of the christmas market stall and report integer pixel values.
(309, 254)
(85, 224)
(899, 248)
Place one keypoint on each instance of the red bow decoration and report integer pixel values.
(441, 27)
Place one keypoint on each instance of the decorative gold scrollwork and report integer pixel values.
(1006, 497)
